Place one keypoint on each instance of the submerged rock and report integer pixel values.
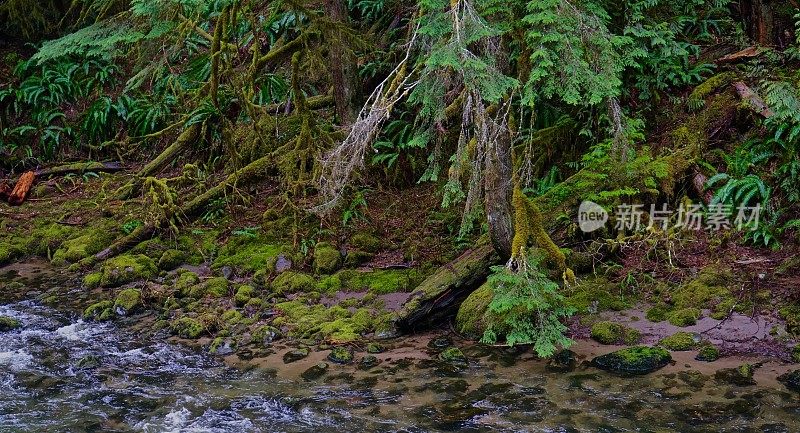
(440, 343)
(295, 355)
(739, 376)
(680, 341)
(452, 354)
(634, 360)
(8, 323)
(88, 362)
(375, 348)
(315, 372)
(341, 355)
(791, 380)
(368, 361)
(187, 327)
(562, 361)
(707, 353)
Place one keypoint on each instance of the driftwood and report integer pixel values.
(21, 189)
(751, 97)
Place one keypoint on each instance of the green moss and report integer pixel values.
(340, 355)
(231, 317)
(187, 327)
(796, 353)
(248, 254)
(47, 237)
(184, 282)
(634, 360)
(327, 259)
(99, 311)
(244, 294)
(92, 280)
(380, 282)
(335, 324)
(266, 334)
(657, 313)
(357, 258)
(128, 301)
(594, 294)
(171, 259)
(329, 284)
(679, 341)
(707, 290)
(8, 323)
(684, 317)
(216, 287)
(707, 353)
(711, 85)
(9, 252)
(125, 269)
(365, 242)
(470, 320)
(81, 247)
(292, 282)
(606, 332)
(452, 354)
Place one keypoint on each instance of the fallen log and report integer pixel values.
(80, 168)
(21, 189)
(751, 97)
(745, 54)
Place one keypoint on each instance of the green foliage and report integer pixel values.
(527, 309)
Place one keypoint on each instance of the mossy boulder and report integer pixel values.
(356, 258)
(375, 348)
(380, 282)
(81, 247)
(126, 269)
(470, 319)
(216, 287)
(243, 295)
(292, 282)
(184, 283)
(657, 313)
(9, 252)
(709, 289)
(453, 354)
(606, 332)
(171, 259)
(92, 280)
(340, 355)
(684, 317)
(231, 317)
(187, 327)
(99, 311)
(634, 360)
(128, 301)
(365, 242)
(9, 324)
(327, 259)
(266, 334)
(249, 253)
(596, 294)
(679, 342)
(707, 353)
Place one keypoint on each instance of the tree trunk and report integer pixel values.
(343, 67)
(765, 22)
(498, 189)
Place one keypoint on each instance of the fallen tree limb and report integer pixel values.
(80, 168)
(753, 100)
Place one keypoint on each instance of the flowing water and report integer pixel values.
(58, 373)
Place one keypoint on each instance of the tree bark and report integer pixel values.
(342, 67)
(763, 21)
(498, 189)
(17, 196)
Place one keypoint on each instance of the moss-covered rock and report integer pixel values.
(81, 247)
(356, 258)
(791, 314)
(295, 355)
(222, 346)
(249, 254)
(315, 371)
(187, 327)
(125, 269)
(184, 283)
(327, 259)
(244, 294)
(470, 319)
(128, 301)
(266, 334)
(100, 311)
(380, 282)
(684, 317)
(452, 354)
(9, 252)
(8, 323)
(216, 287)
(292, 282)
(657, 313)
(231, 317)
(365, 242)
(171, 259)
(679, 341)
(595, 294)
(92, 280)
(606, 332)
(634, 360)
(709, 289)
(340, 355)
(707, 353)
(375, 348)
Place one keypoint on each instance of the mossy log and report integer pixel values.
(80, 168)
(436, 297)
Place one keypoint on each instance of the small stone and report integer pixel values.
(368, 361)
(562, 361)
(707, 353)
(227, 272)
(440, 343)
(295, 355)
(375, 348)
(452, 354)
(341, 355)
(315, 372)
